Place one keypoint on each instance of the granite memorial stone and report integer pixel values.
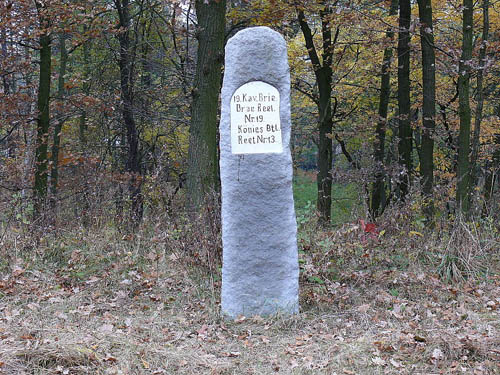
(259, 232)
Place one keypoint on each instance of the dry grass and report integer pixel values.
(466, 254)
(97, 302)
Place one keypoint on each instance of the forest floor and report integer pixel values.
(101, 303)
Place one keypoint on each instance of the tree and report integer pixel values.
(464, 72)
(132, 165)
(82, 126)
(479, 97)
(54, 171)
(428, 105)
(378, 198)
(404, 104)
(323, 74)
(492, 176)
(43, 117)
(202, 172)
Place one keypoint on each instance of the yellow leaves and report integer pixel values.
(489, 127)
(273, 13)
(89, 353)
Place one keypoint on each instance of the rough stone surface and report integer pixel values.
(259, 231)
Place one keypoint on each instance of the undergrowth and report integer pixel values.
(388, 297)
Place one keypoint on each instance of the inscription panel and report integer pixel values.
(255, 119)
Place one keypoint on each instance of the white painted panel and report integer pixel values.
(255, 119)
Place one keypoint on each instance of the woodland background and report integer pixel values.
(110, 247)
(107, 104)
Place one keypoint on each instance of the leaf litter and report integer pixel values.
(128, 318)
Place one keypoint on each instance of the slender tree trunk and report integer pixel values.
(323, 74)
(324, 79)
(463, 170)
(146, 76)
(82, 127)
(146, 117)
(132, 165)
(324, 177)
(43, 122)
(29, 135)
(82, 123)
(479, 98)
(202, 173)
(54, 172)
(405, 131)
(378, 200)
(429, 105)
(5, 54)
(492, 178)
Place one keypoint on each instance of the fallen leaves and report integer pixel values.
(492, 305)
(27, 337)
(231, 354)
(379, 361)
(240, 319)
(17, 271)
(106, 328)
(387, 321)
(364, 308)
(202, 332)
(92, 280)
(109, 358)
(302, 340)
(437, 355)
(395, 363)
(419, 338)
(265, 339)
(384, 347)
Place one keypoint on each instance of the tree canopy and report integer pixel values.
(100, 101)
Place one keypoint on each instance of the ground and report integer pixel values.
(82, 308)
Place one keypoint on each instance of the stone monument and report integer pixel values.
(259, 231)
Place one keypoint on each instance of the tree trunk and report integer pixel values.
(132, 165)
(29, 135)
(202, 173)
(463, 165)
(323, 74)
(377, 203)
(405, 131)
(479, 98)
(429, 106)
(492, 178)
(324, 177)
(82, 127)
(85, 90)
(54, 171)
(5, 54)
(6, 84)
(43, 122)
